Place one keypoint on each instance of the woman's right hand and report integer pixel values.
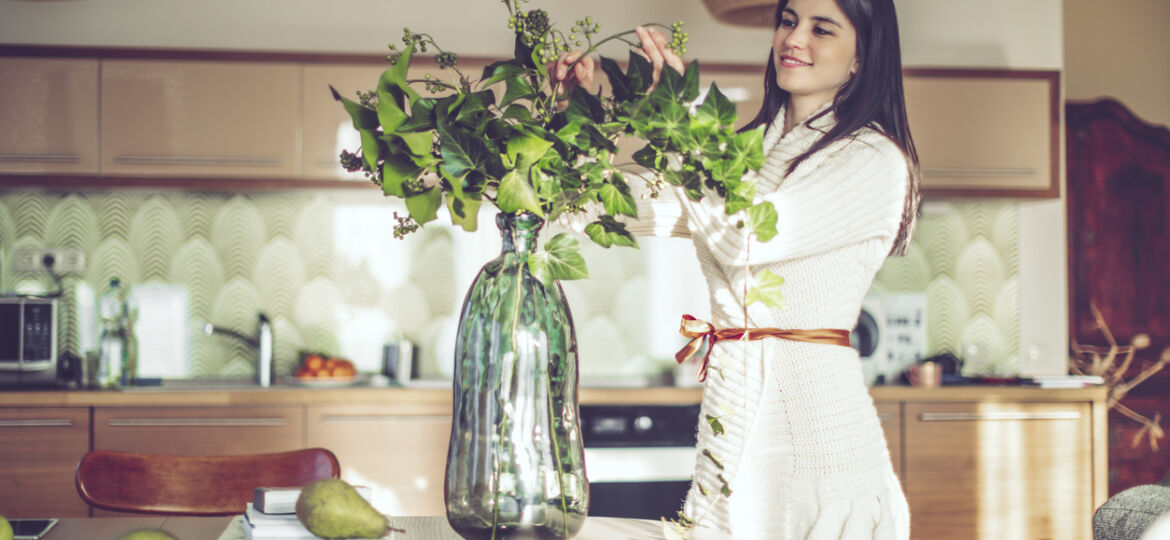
(655, 50)
(563, 79)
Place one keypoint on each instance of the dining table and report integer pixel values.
(415, 527)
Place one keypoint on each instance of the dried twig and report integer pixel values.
(1102, 361)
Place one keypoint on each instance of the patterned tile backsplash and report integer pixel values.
(326, 270)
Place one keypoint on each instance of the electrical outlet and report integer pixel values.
(64, 260)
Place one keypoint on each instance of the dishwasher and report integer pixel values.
(639, 458)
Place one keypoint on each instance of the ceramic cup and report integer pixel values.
(926, 374)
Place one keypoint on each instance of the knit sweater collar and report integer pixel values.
(801, 138)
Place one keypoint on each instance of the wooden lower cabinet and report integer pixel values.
(999, 470)
(401, 455)
(890, 415)
(39, 451)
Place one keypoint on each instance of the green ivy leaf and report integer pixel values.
(671, 87)
(422, 116)
(617, 199)
(424, 206)
(607, 231)
(690, 87)
(420, 143)
(395, 171)
(499, 71)
(516, 194)
(716, 425)
(528, 146)
(639, 73)
(517, 112)
(363, 118)
(461, 152)
(373, 150)
(618, 81)
(560, 259)
(747, 149)
(516, 88)
(762, 218)
(464, 212)
(717, 108)
(584, 107)
(766, 290)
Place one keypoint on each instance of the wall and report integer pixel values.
(1119, 49)
(994, 33)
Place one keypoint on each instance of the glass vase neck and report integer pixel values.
(519, 231)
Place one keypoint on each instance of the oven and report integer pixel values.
(639, 458)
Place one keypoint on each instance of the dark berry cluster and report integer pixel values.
(405, 226)
(446, 60)
(351, 161)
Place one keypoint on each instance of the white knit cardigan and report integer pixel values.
(803, 452)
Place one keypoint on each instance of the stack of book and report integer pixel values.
(1067, 381)
(272, 514)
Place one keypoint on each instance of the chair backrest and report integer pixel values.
(193, 485)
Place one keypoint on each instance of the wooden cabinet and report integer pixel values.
(890, 415)
(199, 430)
(986, 132)
(49, 110)
(200, 118)
(39, 450)
(400, 453)
(328, 128)
(999, 470)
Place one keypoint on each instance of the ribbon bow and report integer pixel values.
(704, 333)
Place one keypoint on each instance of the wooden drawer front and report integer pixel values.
(200, 118)
(39, 451)
(199, 430)
(890, 414)
(402, 457)
(49, 110)
(998, 470)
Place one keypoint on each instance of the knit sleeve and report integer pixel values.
(839, 197)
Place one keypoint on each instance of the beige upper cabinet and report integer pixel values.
(200, 118)
(49, 110)
(987, 133)
(328, 129)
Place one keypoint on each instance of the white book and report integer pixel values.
(283, 500)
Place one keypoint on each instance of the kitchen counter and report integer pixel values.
(431, 399)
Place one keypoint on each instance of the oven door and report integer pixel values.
(639, 458)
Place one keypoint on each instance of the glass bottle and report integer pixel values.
(516, 464)
(117, 347)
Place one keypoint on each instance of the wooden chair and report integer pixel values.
(193, 485)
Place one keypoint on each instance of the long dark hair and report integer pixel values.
(872, 97)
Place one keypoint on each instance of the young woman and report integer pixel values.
(802, 451)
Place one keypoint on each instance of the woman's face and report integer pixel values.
(815, 51)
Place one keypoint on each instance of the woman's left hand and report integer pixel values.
(654, 49)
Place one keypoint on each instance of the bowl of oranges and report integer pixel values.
(317, 369)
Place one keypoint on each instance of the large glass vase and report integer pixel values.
(515, 465)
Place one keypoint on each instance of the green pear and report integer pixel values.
(5, 529)
(331, 508)
(147, 534)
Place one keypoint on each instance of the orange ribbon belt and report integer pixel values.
(702, 332)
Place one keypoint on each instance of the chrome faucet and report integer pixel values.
(262, 343)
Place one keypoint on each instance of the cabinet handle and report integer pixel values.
(980, 172)
(40, 158)
(198, 422)
(334, 418)
(37, 422)
(1007, 415)
(201, 161)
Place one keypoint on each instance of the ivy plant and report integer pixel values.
(515, 141)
